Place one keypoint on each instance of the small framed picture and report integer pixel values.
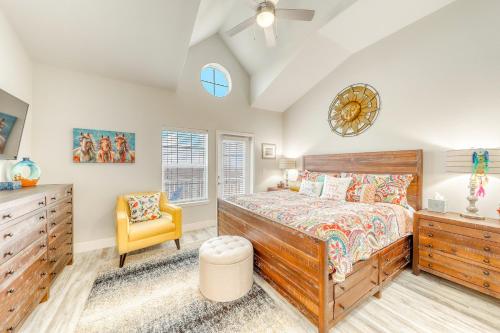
(268, 151)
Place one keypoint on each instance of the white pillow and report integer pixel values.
(312, 189)
(335, 188)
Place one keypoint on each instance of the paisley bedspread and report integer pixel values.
(354, 231)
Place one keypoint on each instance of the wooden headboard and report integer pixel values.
(383, 162)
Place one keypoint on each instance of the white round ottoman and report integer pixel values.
(226, 268)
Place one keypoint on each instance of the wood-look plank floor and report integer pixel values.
(409, 304)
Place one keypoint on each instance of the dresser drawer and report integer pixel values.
(483, 252)
(16, 266)
(15, 237)
(56, 268)
(63, 246)
(23, 287)
(21, 207)
(486, 279)
(58, 194)
(62, 230)
(65, 217)
(367, 270)
(475, 233)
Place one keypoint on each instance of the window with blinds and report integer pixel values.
(185, 165)
(234, 167)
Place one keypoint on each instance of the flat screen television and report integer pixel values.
(13, 113)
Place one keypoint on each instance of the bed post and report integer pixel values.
(323, 289)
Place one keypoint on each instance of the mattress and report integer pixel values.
(353, 231)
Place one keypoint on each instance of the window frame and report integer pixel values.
(226, 74)
(191, 202)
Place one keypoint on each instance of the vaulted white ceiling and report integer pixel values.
(148, 41)
(141, 41)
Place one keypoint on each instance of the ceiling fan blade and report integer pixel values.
(242, 26)
(295, 14)
(270, 36)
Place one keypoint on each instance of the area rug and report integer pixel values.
(161, 295)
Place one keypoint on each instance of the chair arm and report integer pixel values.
(176, 213)
(122, 225)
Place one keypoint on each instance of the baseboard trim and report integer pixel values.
(199, 225)
(94, 245)
(111, 241)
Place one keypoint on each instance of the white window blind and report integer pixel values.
(185, 165)
(234, 167)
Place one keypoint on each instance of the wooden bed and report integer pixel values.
(296, 264)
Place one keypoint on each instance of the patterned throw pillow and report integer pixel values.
(389, 188)
(367, 193)
(144, 207)
(335, 188)
(309, 188)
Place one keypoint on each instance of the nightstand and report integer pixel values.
(458, 249)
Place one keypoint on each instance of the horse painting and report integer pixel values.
(101, 146)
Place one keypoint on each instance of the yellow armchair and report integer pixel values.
(134, 236)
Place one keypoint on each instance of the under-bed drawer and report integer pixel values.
(394, 258)
(363, 270)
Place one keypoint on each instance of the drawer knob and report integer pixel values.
(429, 265)
(486, 273)
(69, 223)
(7, 254)
(54, 236)
(487, 236)
(68, 243)
(386, 259)
(53, 224)
(429, 246)
(69, 253)
(431, 224)
(52, 210)
(68, 213)
(374, 266)
(6, 216)
(10, 234)
(41, 203)
(53, 198)
(11, 291)
(42, 232)
(486, 285)
(52, 249)
(69, 233)
(385, 273)
(486, 260)
(42, 246)
(12, 309)
(342, 287)
(10, 329)
(41, 217)
(487, 248)
(9, 273)
(430, 234)
(43, 274)
(430, 255)
(53, 273)
(341, 306)
(43, 288)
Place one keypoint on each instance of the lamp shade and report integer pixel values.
(460, 160)
(287, 163)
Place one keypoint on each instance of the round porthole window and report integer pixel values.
(216, 80)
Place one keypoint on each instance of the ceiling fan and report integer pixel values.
(265, 17)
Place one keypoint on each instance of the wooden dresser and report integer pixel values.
(36, 243)
(461, 250)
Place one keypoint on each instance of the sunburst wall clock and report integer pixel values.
(354, 110)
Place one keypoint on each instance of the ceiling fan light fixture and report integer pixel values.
(265, 16)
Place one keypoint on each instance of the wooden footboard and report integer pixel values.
(294, 263)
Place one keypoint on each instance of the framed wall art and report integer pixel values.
(102, 146)
(268, 151)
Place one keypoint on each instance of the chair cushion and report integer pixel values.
(225, 250)
(146, 229)
(144, 207)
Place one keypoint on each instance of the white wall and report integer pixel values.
(439, 84)
(65, 99)
(16, 79)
